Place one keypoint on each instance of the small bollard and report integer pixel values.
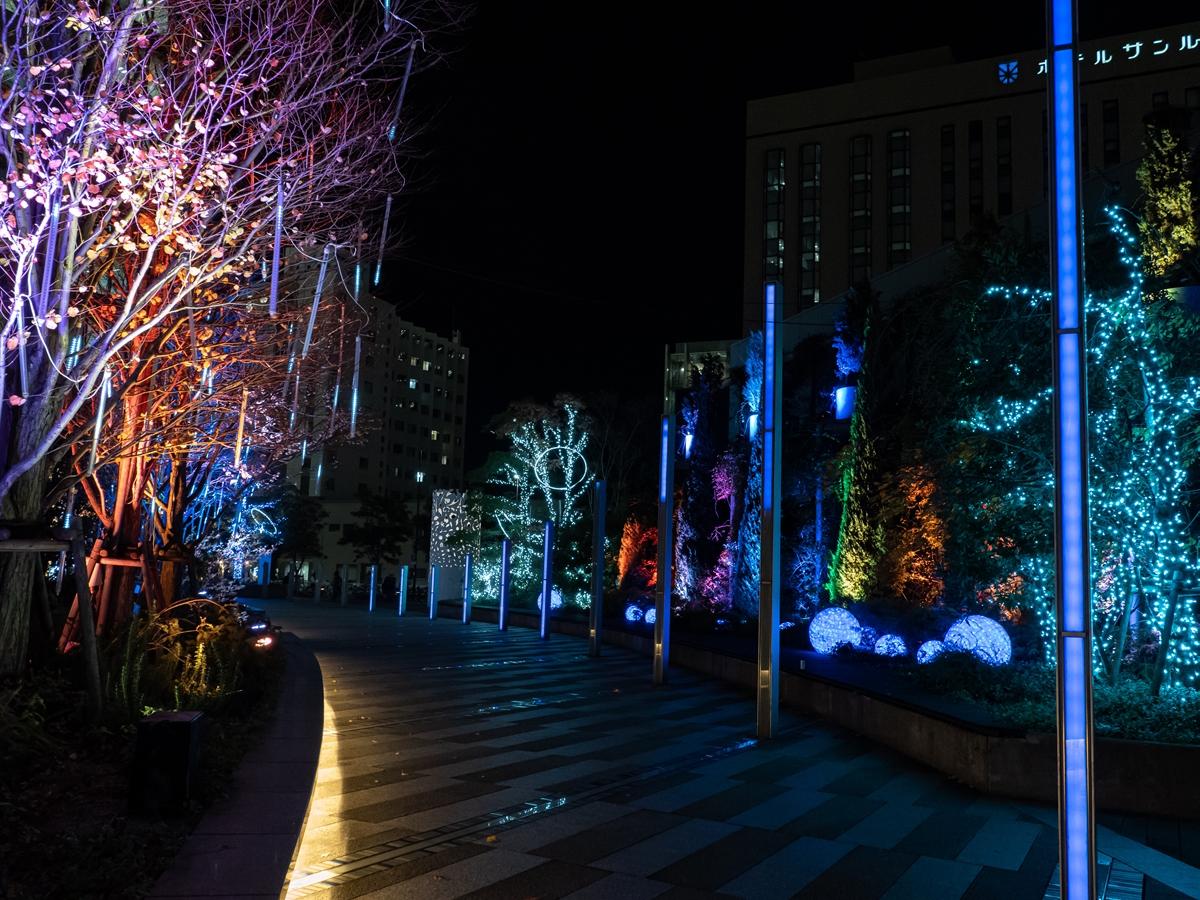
(371, 590)
(433, 574)
(505, 552)
(403, 592)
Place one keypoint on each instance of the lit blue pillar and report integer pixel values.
(371, 589)
(767, 688)
(467, 591)
(597, 611)
(666, 545)
(433, 574)
(402, 593)
(505, 554)
(1076, 801)
(547, 577)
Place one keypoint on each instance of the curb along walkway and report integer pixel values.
(462, 762)
(245, 844)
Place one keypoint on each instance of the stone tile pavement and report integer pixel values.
(458, 761)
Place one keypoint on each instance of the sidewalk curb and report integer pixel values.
(245, 845)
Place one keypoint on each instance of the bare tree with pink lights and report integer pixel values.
(174, 172)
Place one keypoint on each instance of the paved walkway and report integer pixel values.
(462, 762)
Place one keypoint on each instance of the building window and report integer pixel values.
(412, 384)
(445, 459)
(420, 476)
(860, 209)
(362, 462)
(899, 198)
(773, 186)
(412, 360)
(1004, 166)
(949, 198)
(425, 365)
(1158, 99)
(433, 435)
(1110, 116)
(975, 171)
(810, 224)
(1191, 97)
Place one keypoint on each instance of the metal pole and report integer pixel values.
(433, 574)
(467, 591)
(1076, 800)
(402, 594)
(547, 577)
(666, 546)
(597, 613)
(768, 573)
(505, 553)
(371, 590)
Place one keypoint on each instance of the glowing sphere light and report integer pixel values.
(633, 613)
(929, 651)
(833, 627)
(651, 616)
(556, 600)
(982, 637)
(891, 645)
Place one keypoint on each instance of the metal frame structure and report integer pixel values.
(1076, 795)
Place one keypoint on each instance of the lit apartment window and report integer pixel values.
(420, 476)
(1004, 164)
(425, 365)
(860, 209)
(412, 360)
(899, 198)
(433, 434)
(773, 188)
(949, 196)
(975, 171)
(810, 224)
(1111, 120)
(445, 459)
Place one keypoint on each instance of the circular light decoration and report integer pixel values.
(982, 637)
(891, 645)
(867, 636)
(929, 651)
(833, 627)
(651, 616)
(633, 613)
(555, 599)
(542, 465)
(786, 624)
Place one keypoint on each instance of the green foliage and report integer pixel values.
(1168, 225)
(381, 525)
(300, 518)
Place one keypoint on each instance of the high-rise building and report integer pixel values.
(410, 434)
(875, 177)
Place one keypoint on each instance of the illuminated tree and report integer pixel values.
(166, 160)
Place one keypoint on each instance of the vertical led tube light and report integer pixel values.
(383, 236)
(467, 591)
(433, 575)
(101, 403)
(273, 303)
(666, 543)
(354, 385)
(241, 430)
(547, 577)
(505, 554)
(767, 689)
(316, 304)
(597, 612)
(402, 593)
(371, 594)
(1076, 804)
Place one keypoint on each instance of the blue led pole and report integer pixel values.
(467, 591)
(371, 593)
(767, 690)
(1076, 802)
(597, 611)
(547, 576)
(402, 593)
(505, 554)
(666, 543)
(433, 574)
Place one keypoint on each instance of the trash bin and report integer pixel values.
(166, 761)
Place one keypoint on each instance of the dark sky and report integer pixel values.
(581, 194)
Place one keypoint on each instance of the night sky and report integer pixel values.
(580, 189)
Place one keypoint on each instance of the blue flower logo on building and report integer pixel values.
(1007, 72)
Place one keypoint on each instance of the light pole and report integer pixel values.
(767, 689)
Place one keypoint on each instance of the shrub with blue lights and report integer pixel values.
(651, 616)
(929, 651)
(891, 645)
(556, 600)
(832, 628)
(983, 638)
(633, 613)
